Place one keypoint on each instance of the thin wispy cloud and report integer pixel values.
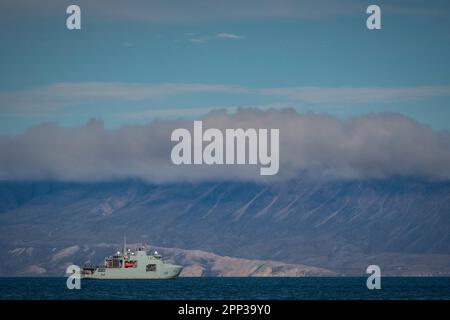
(195, 38)
(226, 35)
(199, 39)
(59, 95)
(350, 95)
(176, 11)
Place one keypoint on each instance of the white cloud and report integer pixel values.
(175, 11)
(184, 11)
(377, 145)
(229, 36)
(195, 38)
(199, 39)
(326, 95)
(59, 95)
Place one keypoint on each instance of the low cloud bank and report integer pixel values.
(371, 146)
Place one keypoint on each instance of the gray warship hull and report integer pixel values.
(132, 264)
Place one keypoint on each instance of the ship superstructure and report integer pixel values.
(132, 264)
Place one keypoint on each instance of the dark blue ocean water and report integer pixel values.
(227, 288)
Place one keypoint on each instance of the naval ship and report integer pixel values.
(132, 264)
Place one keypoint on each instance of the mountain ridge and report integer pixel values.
(338, 225)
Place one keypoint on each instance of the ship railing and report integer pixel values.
(91, 266)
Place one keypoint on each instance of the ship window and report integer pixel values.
(117, 263)
(151, 267)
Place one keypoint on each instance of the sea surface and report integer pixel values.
(424, 288)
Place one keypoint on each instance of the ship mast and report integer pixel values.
(124, 245)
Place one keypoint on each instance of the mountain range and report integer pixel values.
(300, 227)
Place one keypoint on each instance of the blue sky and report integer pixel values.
(146, 60)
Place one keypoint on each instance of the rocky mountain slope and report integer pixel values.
(196, 263)
(400, 224)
